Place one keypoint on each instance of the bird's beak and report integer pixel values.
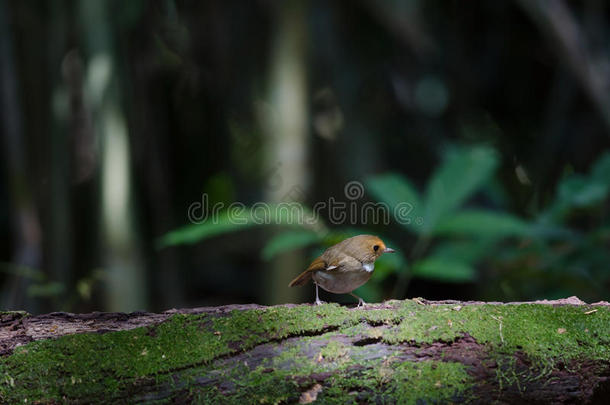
(388, 250)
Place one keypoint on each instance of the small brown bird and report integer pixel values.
(345, 266)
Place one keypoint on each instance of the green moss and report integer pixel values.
(540, 331)
(90, 366)
(85, 365)
(247, 328)
(334, 351)
(351, 378)
(13, 314)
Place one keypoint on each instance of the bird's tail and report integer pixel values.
(301, 279)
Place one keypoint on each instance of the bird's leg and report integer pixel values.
(318, 301)
(360, 300)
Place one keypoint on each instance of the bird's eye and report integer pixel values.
(376, 248)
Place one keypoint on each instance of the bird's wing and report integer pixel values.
(317, 264)
(340, 262)
(304, 277)
(343, 262)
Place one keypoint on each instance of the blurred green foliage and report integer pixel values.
(453, 239)
(519, 213)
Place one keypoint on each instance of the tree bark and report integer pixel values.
(413, 351)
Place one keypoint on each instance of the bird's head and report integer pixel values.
(369, 248)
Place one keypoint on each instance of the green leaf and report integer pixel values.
(482, 223)
(400, 196)
(601, 169)
(189, 234)
(240, 218)
(50, 289)
(468, 251)
(580, 191)
(439, 269)
(460, 176)
(22, 271)
(288, 240)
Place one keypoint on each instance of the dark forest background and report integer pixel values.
(490, 118)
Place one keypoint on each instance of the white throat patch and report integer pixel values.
(368, 266)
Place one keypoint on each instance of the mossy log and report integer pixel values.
(412, 351)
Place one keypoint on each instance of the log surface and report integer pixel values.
(396, 352)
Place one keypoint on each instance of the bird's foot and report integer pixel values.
(361, 302)
(319, 302)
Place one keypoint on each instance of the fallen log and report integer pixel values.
(412, 351)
